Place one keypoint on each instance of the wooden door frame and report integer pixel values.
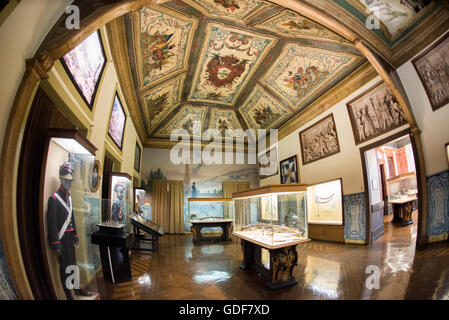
(422, 213)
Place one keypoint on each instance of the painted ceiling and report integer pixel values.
(230, 64)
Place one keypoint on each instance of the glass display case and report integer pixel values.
(210, 216)
(139, 196)
(272, 216)
(116, 212)
(66, 214)
(402, 187)
(324, 203)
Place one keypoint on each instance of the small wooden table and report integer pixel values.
(283, 258)
(224, 224)
(402, 210)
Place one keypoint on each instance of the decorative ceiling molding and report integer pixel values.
(189, 118)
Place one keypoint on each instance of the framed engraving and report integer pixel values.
(433, 70)
(319, 141)
(137, 157)
(374, 112)
(117, 122)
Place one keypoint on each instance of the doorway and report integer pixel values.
(390, 173)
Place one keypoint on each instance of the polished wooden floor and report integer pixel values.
(182, 270)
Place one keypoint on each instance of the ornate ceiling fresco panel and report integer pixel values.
(228, 9)
(263, 111)
(161, 101)
(227, 61)
(291, 24)
(165, 38)
(223, 120)
(301, 72)
(189, 118)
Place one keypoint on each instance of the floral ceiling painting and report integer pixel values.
(165, 39)
(228, 9)
(291, 24)
(301, 72)
(263, 111)
(85, 65)
(190, 119)
(223, 120)
(162, 100)
(228, 59)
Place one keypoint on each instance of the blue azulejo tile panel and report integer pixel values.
(438, 206)
(355, 217)
(7, 291)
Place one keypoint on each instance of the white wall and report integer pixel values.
(346, 164)
(21, 34)
(434, 125)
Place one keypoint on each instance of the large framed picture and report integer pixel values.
(268, 163)
(117, 122)
(433, 70)
(289, 170)
(137, 157)
(374, 112)
(85, 65)
(319, 141)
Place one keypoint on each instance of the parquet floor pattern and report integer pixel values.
(182, 270)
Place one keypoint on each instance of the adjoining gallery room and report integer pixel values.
(224, 150)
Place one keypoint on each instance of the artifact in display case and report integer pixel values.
(120, 194)
(324, 203)
(403, 196)
(273, 218)
(67, 166)
(148, 226)
(210, 215)
(139, 196)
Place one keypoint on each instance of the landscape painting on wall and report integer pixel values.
(319, 141)
(433, 70)
(374, 112)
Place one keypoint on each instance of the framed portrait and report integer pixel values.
(433, 70)
(137, 157)
(289, 170)
(374, 112)
(120, 195)
(268, 163)
(96, 176)
(117, 122)
(319, 141)
(85, 65)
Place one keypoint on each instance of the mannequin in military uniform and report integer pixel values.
(61, 227)
(117, 209)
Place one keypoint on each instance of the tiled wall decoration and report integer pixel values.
(438, 206)
(355, 218)
(7, 291)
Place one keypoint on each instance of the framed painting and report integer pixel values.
(117, 122)
(374, 112)
(319, 141)
(289, 170)
(96, 176)
(137, 157)
(433, 70)
(85, 65)
(268, 163)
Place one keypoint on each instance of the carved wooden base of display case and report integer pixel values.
(282, 262)
(225, 225)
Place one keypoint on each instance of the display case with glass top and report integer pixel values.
(208, 216)
(274, 219)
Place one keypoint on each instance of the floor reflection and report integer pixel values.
(182, 270)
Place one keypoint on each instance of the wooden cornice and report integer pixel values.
(344, 88)
(117, 41)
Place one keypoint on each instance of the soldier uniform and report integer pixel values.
(61, 226)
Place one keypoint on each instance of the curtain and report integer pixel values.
(176, 216)
(229, 187)
(161, 203)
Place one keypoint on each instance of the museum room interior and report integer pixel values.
(224, 149)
